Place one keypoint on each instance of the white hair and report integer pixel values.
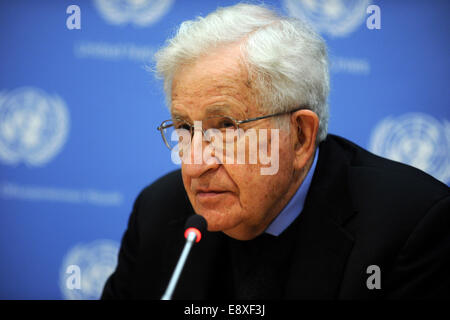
(286, 60)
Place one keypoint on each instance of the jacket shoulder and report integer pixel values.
(383, 192)
(165, 187)
(390, 197)
(163, 202)
(370, 174)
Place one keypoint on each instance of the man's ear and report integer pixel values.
(304, 128)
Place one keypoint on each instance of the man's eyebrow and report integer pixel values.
(214, 110)
(178, 115)
(217, 110)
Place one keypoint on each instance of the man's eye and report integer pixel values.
(226, 124)
(183, 126)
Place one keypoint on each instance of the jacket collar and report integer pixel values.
(323, 245)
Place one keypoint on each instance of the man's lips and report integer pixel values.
(210, 193)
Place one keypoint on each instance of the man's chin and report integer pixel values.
(217, 222)
(231, 227)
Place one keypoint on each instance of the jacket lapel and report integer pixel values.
(323, 245)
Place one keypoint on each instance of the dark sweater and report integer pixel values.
(258, 266)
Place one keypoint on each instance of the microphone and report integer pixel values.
(194, 227)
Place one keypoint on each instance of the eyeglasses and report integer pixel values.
(172, 130)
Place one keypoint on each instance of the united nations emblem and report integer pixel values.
(334, 17)
(416, 139)
(33, 126)
(140, 13)
(90, 265)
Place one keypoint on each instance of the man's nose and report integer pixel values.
(197, 165)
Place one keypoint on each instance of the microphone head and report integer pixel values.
(197, 224)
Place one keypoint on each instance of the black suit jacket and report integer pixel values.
(360, 210)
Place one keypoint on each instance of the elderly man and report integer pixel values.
(328, 220)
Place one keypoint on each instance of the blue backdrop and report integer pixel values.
(79, 111)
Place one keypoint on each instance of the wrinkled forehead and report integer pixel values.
(214, 84)
(207, 74)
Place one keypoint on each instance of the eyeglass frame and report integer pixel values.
(162, 126)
